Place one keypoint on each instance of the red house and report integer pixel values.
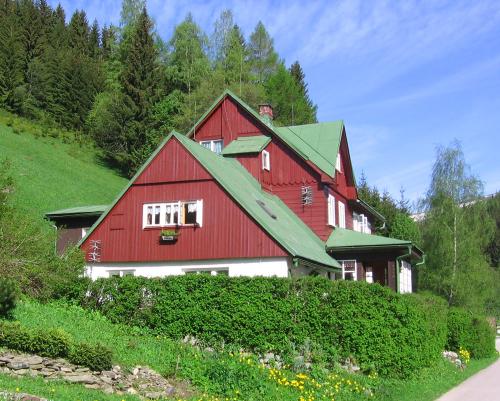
(240, 196)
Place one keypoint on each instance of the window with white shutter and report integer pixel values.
(341, 214)
(331, 210)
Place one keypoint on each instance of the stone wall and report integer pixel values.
(139, 380)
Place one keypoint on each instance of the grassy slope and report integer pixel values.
(131, 347)
(51, 174)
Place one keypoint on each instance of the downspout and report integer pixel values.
(55, 243)
(398, 268)
(422, 262)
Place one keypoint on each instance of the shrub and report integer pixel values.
(54, 343)
(51, 343)
(96, 357)
(8, 297)
(380, 328)
(471, 332)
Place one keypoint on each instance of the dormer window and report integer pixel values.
(214, 145)
(266, 160)
(338, 163)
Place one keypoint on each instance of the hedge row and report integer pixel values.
(54, 343)
(393, 334)
(471, 332)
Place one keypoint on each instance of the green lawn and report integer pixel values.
(56, 390)
(54, 173)
(430, 383)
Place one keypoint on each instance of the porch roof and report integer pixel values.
(81, 211)
(342, 239)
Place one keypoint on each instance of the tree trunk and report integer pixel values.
(454, 271)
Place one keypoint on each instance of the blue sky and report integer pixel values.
(405, 76)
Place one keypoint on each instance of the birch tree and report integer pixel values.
(456, 231)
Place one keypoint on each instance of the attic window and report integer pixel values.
(338, 163)
(215, 145)
(266, 160)
(266, 209)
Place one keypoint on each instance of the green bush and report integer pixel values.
(54, 343)
(470, 331)
(381, 329)
(8, 298)
(96, 357)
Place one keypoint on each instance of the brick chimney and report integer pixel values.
(266, 110)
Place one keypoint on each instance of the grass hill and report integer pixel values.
(52, 169)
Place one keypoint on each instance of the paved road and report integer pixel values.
(483, 386)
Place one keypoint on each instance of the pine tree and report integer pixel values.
(78, 33)
(299, 76)
(11, 56)
(94, 41)
(263, 58)
(290, 106)
(140, 75)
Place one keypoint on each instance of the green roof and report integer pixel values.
(266, 209)
(246, 144)
(342, 239)
(317, 143)
(95, 210)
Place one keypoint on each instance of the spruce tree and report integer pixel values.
(78, 33)
(299, 76)
(290, 105)
(140, 82)
(11, 56)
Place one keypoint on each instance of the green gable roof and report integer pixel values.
(266, 209)
(343, 239)
(325, 137)
(81, 211)
(246, 144)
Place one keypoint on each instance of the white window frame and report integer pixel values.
(331, 210)
(163, 212)
(266, 160)
(121, 273)
(343, 262)
(211, 144)
(214, 271)
(338, 163)
(341, 207)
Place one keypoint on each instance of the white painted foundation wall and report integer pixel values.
(266, 267)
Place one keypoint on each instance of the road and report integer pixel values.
(483, 386)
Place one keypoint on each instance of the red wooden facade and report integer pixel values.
(227, 231)
(289, 172)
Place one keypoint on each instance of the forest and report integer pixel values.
(124, 87)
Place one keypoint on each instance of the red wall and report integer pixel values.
(227, 231)
(289, 172)
(228, 121)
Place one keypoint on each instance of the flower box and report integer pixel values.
(169, 236)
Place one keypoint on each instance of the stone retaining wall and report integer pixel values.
(140, 380)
